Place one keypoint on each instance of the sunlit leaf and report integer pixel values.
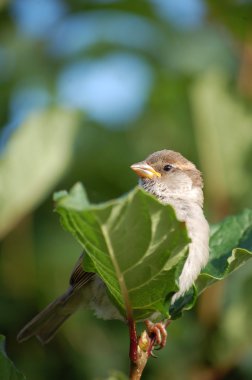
(34, 159)
(135, 244)
(138, 248)
(218, 113)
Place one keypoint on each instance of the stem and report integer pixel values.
(140, 349)
(133, 341)
(136, 369)
(167, 323)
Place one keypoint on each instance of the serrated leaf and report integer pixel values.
(7, 369)
(138, 248)
(135, 244)
(230, 248)
(32, 162)
(77, 201)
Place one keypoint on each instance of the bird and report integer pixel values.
(173, 180)
(176, 181)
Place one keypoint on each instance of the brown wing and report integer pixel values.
(79, 277)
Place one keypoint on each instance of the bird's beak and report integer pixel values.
(144, 170)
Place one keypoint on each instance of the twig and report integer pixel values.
(140, 349)
(137, 366)
(133, 341)
(136, 369)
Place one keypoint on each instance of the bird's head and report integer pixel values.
(168, 174)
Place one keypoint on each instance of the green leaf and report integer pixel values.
(7, 369)
(230, 248)
(77, 201)
(134, 243)
(137, 246)
(216, 112)
(33, 161)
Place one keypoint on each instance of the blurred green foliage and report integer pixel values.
(33, 161)
(8, 371)
(141, 76)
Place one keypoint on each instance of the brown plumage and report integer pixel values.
(158, 159)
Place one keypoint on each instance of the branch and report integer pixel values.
(136, 369)
(139, 358)
(140, 349)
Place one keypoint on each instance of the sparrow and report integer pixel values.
(173, 180)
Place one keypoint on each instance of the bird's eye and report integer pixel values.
(167, 167)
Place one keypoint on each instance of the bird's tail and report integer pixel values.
(45, 324)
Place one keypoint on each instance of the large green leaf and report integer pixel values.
(34, 159)
(7, 369)
(138, 248)
(135, 244)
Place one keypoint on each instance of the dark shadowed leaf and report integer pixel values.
(7, 369)
(230, 248)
